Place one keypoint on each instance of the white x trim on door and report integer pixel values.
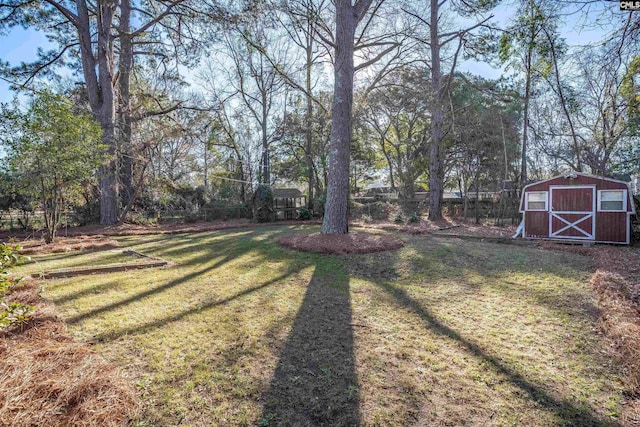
(572, 225)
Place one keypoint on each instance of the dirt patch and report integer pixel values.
(67, 244)
(49, 379)
(352, 243)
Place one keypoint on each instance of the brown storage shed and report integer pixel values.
(578, 206)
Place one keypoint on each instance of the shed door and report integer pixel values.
(572, 213)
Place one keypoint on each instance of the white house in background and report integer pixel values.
(380, 189)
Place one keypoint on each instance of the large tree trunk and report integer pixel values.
(99, 81)
(437, 121)
(107, 172)
(107, 175)
(125, 67)
(335, 212)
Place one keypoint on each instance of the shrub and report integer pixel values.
(142, 219)
(263, 204)
(413, 218)
(399, 217)
(191, 217)
(88, 213)
(8, 256)
(13, 313)
(318, 204)
(304, 213)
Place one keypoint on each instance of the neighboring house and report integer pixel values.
(383, 193)
(446, 195)
(483, 194)
(578, 206)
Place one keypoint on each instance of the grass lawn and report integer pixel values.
(40, 263)
(442, 332)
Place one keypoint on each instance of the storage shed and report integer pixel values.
(286, 202)
(578, 206)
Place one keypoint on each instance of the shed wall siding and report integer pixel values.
(536, 224)
(611, 227)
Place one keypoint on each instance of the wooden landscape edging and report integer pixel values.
(507, 240)
(108, 268)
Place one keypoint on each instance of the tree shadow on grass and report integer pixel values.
(162, 322)
(315, 382)
(232, 253)
(564, 409)
(408, 268)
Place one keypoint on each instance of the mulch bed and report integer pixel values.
(444, 226)
(67, 244)
(97, 236)
(143, 230)
(352, 243)
(48, 379)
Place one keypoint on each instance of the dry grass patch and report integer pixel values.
(47, 379)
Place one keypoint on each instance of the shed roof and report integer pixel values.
(286, 193)
(574, 175)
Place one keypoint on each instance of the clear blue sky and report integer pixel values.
(19, 46)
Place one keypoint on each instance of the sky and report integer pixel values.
(21, 45)
(18, 46)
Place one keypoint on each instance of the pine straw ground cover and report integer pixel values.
(67, 244)
(446, 225)
(241, 331)
(47, 379)
(339, 244)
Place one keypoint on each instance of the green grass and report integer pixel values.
(40, 263)
(443, 332)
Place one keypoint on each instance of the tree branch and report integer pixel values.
(161, 112)
(73, 18)
(361, 7)
(377, 57)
